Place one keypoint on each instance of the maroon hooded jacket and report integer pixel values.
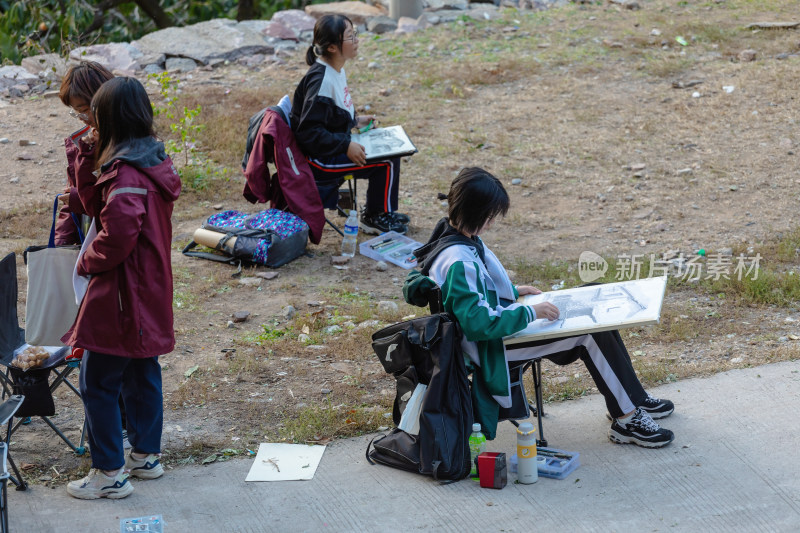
(66, 228)
(292, 187)
(127, 310)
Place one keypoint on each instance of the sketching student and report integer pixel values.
(125, 320)
(322, 117)
(477, 291)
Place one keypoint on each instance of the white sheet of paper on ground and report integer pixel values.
(81, 283)
(409, 422)
(285, 462)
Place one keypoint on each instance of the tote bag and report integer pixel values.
(51, 307)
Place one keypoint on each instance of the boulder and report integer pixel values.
(47, 64)
(276, 30)
(439, 5)
(15, 75)
(381, 24)
(218, 39)
(114, 56)
(406, 25)
(358, 12)
(179, 64)
(296, 20)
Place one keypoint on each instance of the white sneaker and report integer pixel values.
(98, 485)
(147, 468)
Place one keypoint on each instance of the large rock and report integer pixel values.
(218, 39)
(15, 75)
(45, 65)
(438, 5)
(381, 24)
(113, 56)
(179, 64)
(358, 12)
(296, 20)
(272, 28)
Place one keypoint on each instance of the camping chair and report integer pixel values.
(35, 383)
(7, 410)
(521, 408)
(334, 197)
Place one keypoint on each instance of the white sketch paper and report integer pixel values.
(380, 143)
(285, 462)
(595, 308)
(80, 284)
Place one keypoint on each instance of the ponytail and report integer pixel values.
(311, 56)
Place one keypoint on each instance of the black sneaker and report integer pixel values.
(377, 223)
(640, 430)
(401, 217)
(655, 407)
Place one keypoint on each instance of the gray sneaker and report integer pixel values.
(147, 468)
(98, 485)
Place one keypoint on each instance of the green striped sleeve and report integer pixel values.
(466, 298)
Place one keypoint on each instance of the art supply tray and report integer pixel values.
(391, 247)
(553, 467)
(558, 467)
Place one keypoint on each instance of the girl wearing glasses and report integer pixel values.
(322, 118)
(77, 90)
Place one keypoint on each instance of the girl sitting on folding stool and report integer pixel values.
(477, 291)
(322, 117)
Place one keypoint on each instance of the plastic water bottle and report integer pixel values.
(350, 238)
(477, 445)
(527, 468)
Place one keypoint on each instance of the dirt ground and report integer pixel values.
(579, 104)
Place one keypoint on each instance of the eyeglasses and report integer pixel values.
(353, 39)
(79, 116)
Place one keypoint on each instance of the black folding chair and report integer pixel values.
(37, 384)
(7, 410)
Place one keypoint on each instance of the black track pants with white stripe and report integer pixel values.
(383, 176)
(605, 357)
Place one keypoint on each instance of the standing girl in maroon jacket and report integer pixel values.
(125, 320)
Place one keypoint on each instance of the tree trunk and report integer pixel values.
(248, 9)
(154, 11)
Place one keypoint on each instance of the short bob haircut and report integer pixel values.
(475, 198)
(122, 111)
(81, 82)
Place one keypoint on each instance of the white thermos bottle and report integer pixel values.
(527, 468)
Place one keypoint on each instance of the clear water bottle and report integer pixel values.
(350, 238)
(477, 445)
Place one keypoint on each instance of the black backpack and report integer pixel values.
(427, 350)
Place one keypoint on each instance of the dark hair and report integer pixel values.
(328, 30)
(81, 82)
(122, 111)
(475, 198)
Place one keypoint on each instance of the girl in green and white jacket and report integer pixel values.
(477, 291)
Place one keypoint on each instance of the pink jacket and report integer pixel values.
(127, 310)
(292, 187)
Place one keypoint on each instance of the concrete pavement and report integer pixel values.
(734, 466)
